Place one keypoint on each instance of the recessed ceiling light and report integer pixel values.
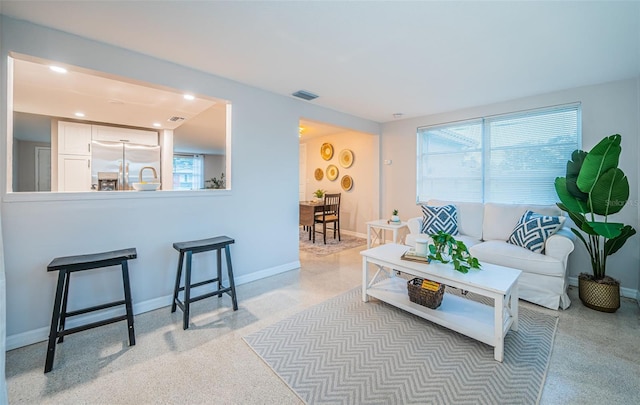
(79, 114)
(189, 97)
(58, 69)
(157, 124)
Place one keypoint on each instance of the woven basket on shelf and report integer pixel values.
(423, 296)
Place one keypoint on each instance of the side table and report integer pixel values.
(376, 230)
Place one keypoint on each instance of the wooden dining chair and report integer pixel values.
(330, 215)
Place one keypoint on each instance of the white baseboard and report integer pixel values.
(388, 235)
(42, 334)
(354, 233)
(624, 292)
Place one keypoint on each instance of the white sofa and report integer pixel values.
(485, 228)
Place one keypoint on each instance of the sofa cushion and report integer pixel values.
(500, 219)
(532, 230)
(470, 215)
(435, 219)
(508, 255)
(469, 241)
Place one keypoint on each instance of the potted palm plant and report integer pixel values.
(595, 188)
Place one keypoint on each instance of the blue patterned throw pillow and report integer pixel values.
(436, 219)
(532, 230)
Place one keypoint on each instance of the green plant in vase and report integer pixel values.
(446, 248)
(215, 183)
(319, 194)
(595, 188)
(394, 216)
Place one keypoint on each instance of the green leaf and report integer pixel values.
(607, 229)
(613, 245)
(568, 200)
(602, 157)
(580, 220)
(610, 192)
(573, 170)
(579, 235)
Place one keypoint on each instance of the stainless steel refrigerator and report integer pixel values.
(122, 161)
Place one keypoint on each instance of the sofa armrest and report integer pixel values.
(560, 244)
(414, 225)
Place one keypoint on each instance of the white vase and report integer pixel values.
(395, 218)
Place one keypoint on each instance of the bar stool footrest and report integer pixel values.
(92, 325)
(213, 280)
(96, 308)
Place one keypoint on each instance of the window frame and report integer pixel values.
(485, 145)
(192, 156)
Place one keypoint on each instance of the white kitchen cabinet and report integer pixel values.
(74, 173)
(74, 138)
(128, 135)
(74, 150)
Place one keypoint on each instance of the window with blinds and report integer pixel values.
(188, 172)
(511, 158)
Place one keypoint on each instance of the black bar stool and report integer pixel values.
(70, 264)
(197, 246)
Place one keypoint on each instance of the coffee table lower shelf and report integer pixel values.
(462, 315)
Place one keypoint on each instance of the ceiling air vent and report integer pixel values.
(175, 118)
(305, 95)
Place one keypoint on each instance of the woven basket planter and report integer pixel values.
(599, 296)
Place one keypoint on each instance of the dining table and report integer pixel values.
(308, 210)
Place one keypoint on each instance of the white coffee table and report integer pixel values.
(376, 229)
(485, 323)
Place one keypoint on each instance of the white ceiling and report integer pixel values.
(372, 59)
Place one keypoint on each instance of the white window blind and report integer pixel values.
(188, 172)
(511, 158)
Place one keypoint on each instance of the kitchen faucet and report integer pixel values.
(155, 174)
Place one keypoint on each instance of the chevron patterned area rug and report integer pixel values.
(345, 351)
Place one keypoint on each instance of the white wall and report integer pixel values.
(38, 227)
(3, 321)
(360, 204)
(213, 167)
(3, 302)
(606, 109)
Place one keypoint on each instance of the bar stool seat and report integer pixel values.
(66, 266)
(187, 249)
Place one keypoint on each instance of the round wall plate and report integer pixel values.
(345, 158)
(318, 174)
(332, 172)
(346, 182)
(326, 151)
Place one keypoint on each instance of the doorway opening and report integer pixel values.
(337, 160)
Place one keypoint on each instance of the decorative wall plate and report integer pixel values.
(346, 158)
(319, 174)
(326, 151)
(332, 172)
(346, 182)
